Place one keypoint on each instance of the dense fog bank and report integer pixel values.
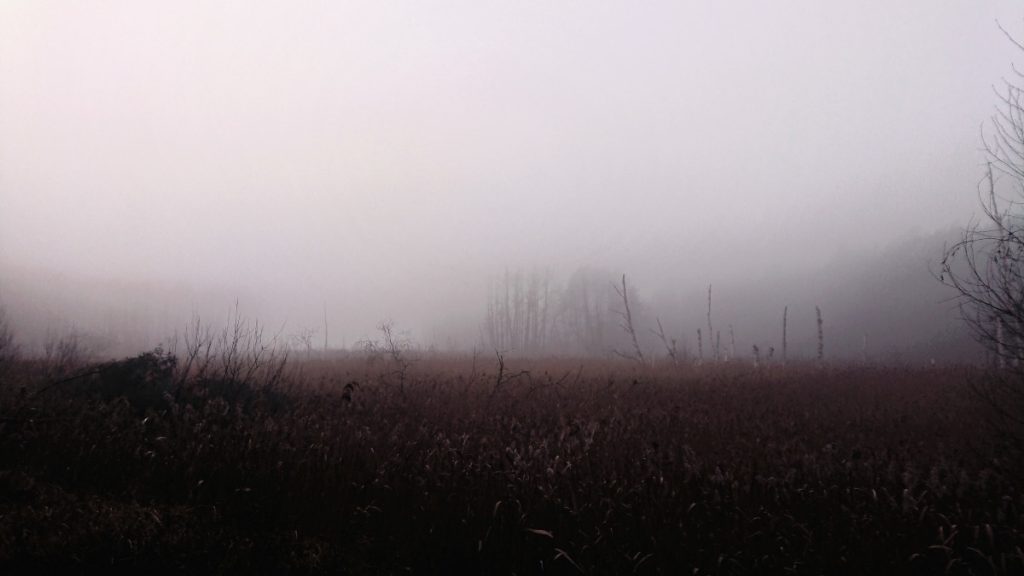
(884, 306)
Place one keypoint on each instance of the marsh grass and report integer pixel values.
(595, 467)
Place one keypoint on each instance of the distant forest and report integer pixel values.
(886, 307)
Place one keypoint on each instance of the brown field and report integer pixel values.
(363, 464)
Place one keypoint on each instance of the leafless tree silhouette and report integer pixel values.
(8, 347)
(627, 325)
(986, 266)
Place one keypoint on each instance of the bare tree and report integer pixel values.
(669, 344)
(304, 340)
(64, 352)
(502, 377)
(238, 353)
(8, 348)
(986, 266)
(396, 350)
(584, 311)
(517, 312)
(627, 324)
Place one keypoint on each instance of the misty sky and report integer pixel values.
(387, 157)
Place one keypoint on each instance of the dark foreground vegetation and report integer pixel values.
(375, 465)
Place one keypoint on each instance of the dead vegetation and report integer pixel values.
(225, 460)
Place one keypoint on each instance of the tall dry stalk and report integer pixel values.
(821, 336)
(711, 332)
(785, 313)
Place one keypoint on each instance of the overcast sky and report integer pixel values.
(386, 157)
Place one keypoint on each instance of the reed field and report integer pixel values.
(234, 462)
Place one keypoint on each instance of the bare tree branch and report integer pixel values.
(627, 324)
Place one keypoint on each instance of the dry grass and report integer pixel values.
(592, 467)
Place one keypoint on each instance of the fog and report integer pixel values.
(364, 161)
